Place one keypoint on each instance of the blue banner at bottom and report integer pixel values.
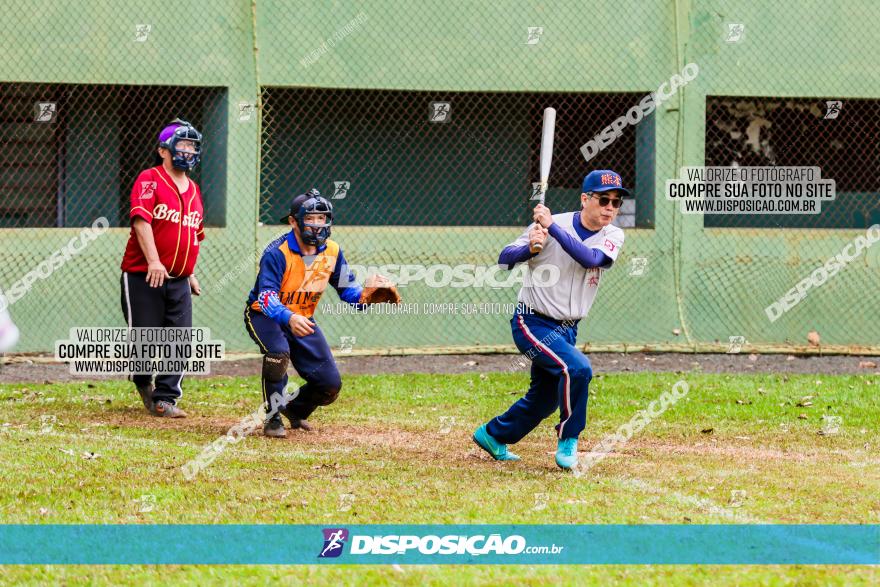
(441, 544)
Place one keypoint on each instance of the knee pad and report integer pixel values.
(275, 366)
(325, 396)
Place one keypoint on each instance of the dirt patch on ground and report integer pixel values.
(738, 453)
(333, 434)
(352, 435)
(139, 418)
(20, 370)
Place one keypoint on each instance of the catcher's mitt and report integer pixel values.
(378, 290)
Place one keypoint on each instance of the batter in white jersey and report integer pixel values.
(571, 297)
(579, 247)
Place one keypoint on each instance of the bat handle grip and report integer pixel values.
(536, 248)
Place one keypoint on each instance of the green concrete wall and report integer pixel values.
(710, 283)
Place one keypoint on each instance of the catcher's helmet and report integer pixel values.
(181, 130)
(311, 202)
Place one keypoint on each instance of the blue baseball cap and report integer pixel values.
(604, 180)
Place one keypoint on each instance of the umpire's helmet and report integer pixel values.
(181, 130)
(311, 202)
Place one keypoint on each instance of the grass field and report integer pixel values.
(397, 449)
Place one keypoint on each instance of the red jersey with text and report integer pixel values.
(177, 220)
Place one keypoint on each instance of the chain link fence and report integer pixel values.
(423, 128)
(431, 158)
(461, 163)
(85, 89)
(756, 131)
(72, 152)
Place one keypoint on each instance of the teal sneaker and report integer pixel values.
(567, 453)
(498, 451)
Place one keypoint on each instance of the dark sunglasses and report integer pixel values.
(605, 200)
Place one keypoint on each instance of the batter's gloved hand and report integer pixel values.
(379, 290)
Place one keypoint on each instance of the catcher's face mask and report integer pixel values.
(184, 143)
(314, 229)
(314, 233)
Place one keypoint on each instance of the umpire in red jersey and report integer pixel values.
(167, 224)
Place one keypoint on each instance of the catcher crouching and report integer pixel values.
(295, 269)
